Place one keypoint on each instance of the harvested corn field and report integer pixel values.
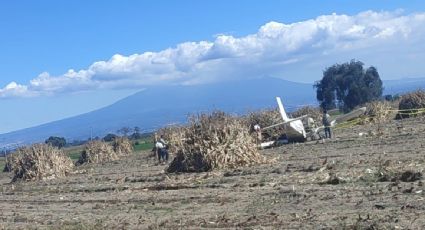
(352, 182)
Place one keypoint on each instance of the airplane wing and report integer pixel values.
(353, 114)
(295, 127)
(343, 118)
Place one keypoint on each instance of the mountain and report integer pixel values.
(155, 107)
(403, 85)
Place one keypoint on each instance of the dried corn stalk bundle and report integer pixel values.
(97, 152)
(214, 141)
(264, 118)
(379, 111)
(173, 135)
(412, 104)
(122, 146)
(41, 161)
(12, 160)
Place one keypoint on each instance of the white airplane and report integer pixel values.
(294, 127)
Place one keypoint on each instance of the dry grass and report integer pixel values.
(214, 141)
(97, 152)
(10, 162)
(264, 118)
(122, 146)
(39, 161)
(379, 111)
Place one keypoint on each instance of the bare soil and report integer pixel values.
(372, 181)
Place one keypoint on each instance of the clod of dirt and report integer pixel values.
(333, 180)
(240, 172)
(379, 206)
(410, 176)
(310, 168)
(277, 171)
(408, 190)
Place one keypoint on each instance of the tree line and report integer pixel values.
(131, 133)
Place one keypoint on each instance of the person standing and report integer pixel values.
(327, 123)
(161, 146)
(257, 130)
(155, 149)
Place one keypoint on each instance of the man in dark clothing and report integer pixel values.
(327, 123)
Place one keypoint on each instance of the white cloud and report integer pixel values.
(297, 51)
(13, 89)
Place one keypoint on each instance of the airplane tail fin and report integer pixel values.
(282, 110)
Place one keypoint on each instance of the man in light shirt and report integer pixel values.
(161, 146)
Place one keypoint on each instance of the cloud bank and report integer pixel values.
(297, 51)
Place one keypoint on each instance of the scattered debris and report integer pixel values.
(386, 174)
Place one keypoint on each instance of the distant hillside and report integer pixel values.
(403, 85)
(158, 106)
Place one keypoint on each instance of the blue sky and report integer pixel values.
(52, 37)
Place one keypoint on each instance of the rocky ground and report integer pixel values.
(368, 177)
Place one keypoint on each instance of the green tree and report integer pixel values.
(109, 137)
(348, 85)
(136, 129)
(124, 131)
(136, 134)
(56, 141)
